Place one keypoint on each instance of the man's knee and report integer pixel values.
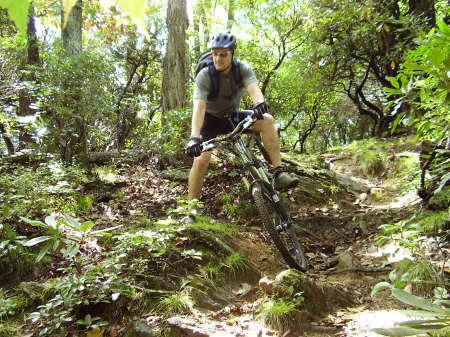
(268, 122)
(268, 118)
(201, 162)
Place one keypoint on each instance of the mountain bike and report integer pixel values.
(266, 198)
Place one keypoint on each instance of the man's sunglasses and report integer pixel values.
(222, 53)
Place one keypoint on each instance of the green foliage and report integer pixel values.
(51, 187)
(136, 252)
(421, 275)
(423, 82)
(7, 330)
(277, 313)
(436, 315)
(90, 322)
(106, 173)
(175, 304)
(18, 12)
(206, 224)
(66, 234)
(371, 164)
(171, 133)
(413, 232)
(434, 221)
(14, 257)
(72, 292)
(75, 98)
(235, 262)
(409, 233)
(12, 305)
(85, 203)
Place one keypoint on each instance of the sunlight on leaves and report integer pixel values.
(136, 10)
(67, 8)
(18, 12)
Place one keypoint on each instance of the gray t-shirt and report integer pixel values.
(224, 102)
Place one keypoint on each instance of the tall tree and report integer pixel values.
(72, 32)
(32, 59)
(230, 19)
(76, 132)
(175, 69)
(198, 13)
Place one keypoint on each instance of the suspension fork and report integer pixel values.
(259, 175)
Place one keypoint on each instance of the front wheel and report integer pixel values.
(285, 240)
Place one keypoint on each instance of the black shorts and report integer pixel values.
(213, 126)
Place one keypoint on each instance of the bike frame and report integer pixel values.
(252, 166)
(259, 175)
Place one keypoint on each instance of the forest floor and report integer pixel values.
(339, 242)
(340, 237)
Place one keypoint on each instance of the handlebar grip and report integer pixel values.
(207, 147)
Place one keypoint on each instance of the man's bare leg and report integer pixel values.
(196, 175)
(270, 138)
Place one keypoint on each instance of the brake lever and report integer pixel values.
(212, 144)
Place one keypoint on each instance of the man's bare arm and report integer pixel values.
(198, 116)
(255, 93)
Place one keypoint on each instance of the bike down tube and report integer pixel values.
(259, 175)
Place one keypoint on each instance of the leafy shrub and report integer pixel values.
(98, 285)
(11, 305)
(49, 188)
(65, 235)
(14, 257)
(421, 275)
(436, 315)
(423, 82)
(85, 107)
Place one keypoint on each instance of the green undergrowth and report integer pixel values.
(277, 313)
(162, 267)
(394, 144)
(282, 310)
(376, 158)
(37, 191)
(423, 237)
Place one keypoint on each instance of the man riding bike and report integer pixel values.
(212, 113)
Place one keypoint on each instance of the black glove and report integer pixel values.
(193, 148)
(260, 109)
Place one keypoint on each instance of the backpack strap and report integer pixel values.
(214, 76)
(236, 70)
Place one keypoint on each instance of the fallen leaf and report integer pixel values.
(97, 332)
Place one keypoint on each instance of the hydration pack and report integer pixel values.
(206, 60)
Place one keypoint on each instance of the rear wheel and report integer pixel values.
(285, 241)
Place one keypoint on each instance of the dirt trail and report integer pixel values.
(341, 249)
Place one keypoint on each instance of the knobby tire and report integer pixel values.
(286, 242)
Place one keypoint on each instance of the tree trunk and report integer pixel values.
(25, 100)
(71, 37)
(230, 20)
(198, 12)
(207, 7)
(7, 140)
(175, 70)
(71, 33)
(425, 8)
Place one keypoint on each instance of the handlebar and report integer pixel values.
(245, 124)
